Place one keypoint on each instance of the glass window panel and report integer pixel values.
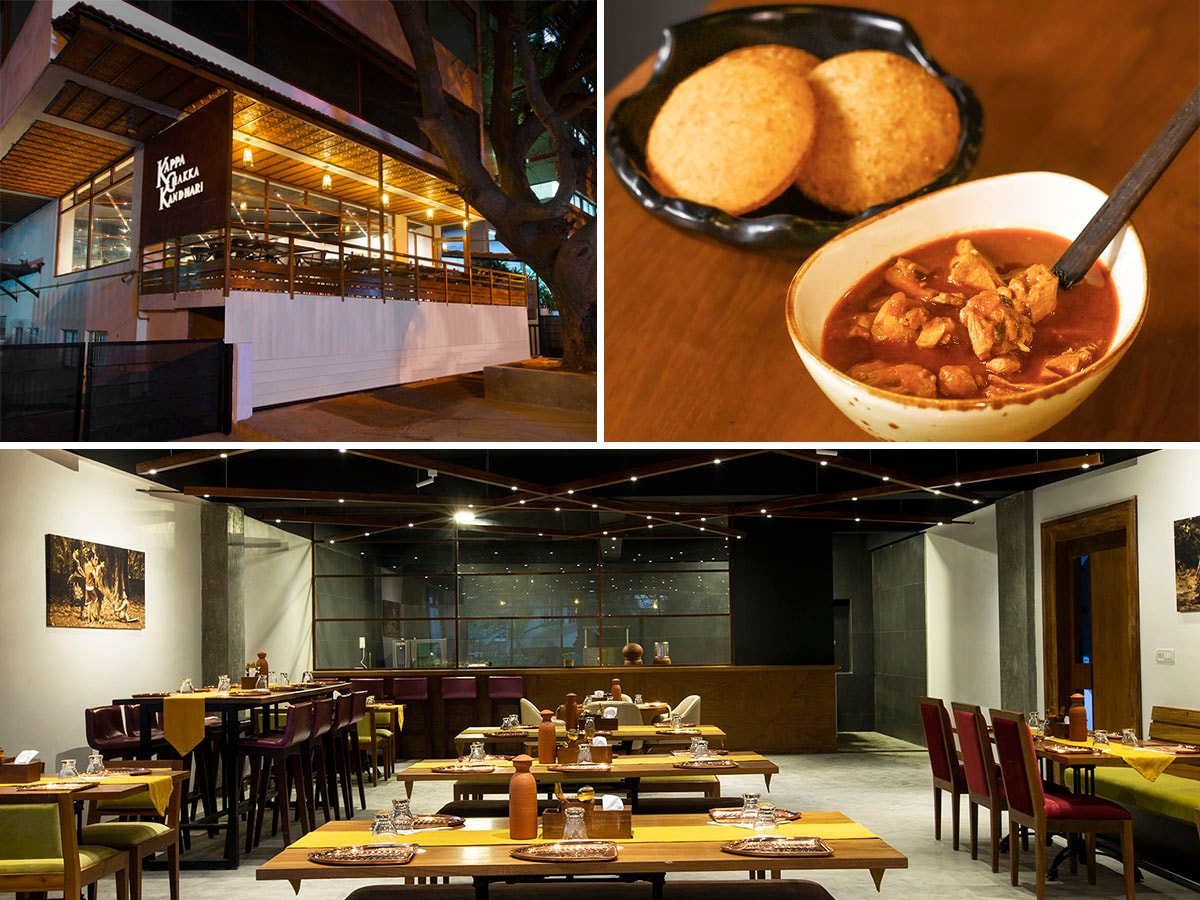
(402, 557)
(123, 169)
(248, 184)
(694, 640)
(528, 556)
(79, 238)
(681, 553)
(669, 593)
(527, 595)
(111, 214)
(286, 194)
(519, 642)
(425, 645)
(327, 204)
(400, 596)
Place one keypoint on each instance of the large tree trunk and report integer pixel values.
(574, 288)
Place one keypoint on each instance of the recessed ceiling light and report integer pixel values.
(154, 471)
(464, 517)
(633, 478)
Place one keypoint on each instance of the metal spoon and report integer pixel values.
(1119, 206)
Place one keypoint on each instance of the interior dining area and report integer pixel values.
(794, 672)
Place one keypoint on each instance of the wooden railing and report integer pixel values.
(281, 263)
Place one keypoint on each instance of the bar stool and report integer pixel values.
(505, 693)
(414, 694)
(322, 764)
(372, 686)
(286, 752)
(458, 691)
(358, 713)
(339, 748)
(106, 735)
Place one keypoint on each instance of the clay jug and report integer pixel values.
(571, 713)
(547, 739)
(522, 801)
(616, 689)
(1077, 729)
(261, 665)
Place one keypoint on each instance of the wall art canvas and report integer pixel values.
(91, 585)
(1187, 564)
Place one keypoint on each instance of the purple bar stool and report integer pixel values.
(505, 693)
(458, 707)
(414, 694)
(286, 753)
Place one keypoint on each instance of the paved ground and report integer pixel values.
(451, 409)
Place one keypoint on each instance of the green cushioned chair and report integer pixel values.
(137, 834)
(378, 743)
(39, 851)
(1168, 795)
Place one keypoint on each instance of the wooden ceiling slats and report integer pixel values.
(76, 156)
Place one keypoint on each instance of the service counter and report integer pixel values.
(772, 709)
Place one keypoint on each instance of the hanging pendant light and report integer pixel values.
(248, 158)
(326, 181)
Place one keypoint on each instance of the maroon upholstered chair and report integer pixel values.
(413, 692)
(458, 707)
(1043, 811)
(372, 686)
(287, 753)
(343, 717)
(106, 735)
(358, 711)
(321, 752)
(948, 774)
(505, 693)
(984, 785)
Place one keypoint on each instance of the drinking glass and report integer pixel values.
(262, 683)
(676, 723)
(1129, 737)
(637, 698)
(477, 754)
(370, 699)
(589, 728)
(223, 684)
(585, 753)
(574, 828)
(700, 749)
(750, 808)
(765, 818)
(185, 687)
(307, 678)
(382, 826)
(95, 765)
(1100, 740)
(282, 678)
(68, 769)
(402, 815)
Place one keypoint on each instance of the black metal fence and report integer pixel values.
(545, 337)
(118, 391)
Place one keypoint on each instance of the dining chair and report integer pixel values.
(379, 744)
(286, 752)
(139, 834)
(106, 732)
(1043, 811)
(39, 850)
(948, 774)
(984, 785)
(688, 710)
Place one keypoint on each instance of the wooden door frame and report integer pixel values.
(1116, 517)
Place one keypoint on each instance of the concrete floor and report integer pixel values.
(889, 792)
(452, 409)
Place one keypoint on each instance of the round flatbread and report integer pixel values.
(734, 134)
(885, 127)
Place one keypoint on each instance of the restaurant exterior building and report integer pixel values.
(938, 617)
(250, 173)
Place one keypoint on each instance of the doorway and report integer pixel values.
(1090, 636)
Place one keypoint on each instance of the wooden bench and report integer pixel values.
(1166, 811)
(757, 889)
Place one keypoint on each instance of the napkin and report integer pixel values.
(183, 721)
(609, 802)
(610, 712)
(599, 741)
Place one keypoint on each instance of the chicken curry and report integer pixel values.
(972, 316)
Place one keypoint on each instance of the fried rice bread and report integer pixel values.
(735, 133)
(885, 127)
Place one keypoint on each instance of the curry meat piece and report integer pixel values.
(972, 269)
(995, 325)
(899, 319)
(1035, 291)
(906, 276)
(1067, 363)
(902, 378)
(958, 381)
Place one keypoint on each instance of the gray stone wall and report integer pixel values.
(898, 589)
(852, 581)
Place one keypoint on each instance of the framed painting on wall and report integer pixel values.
(1187, 564)
(90, 585)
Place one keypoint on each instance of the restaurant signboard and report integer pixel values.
(185, 185)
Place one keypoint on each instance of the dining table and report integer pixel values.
(230, 707)
(696, 347)
(647, 734)
(660, 846)
(112, 785)
(627, 770)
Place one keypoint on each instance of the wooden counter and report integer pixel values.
(772, 709)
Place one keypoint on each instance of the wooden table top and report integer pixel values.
(490, 856)
(696, 347)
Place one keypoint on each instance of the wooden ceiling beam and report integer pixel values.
(182, 458)
(667, 467)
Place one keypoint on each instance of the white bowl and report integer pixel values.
(1042, 201)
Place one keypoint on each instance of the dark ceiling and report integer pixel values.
(344, 495)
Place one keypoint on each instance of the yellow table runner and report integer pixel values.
(183, 720)
(467, 837)
(1148, 763)
(622, 765)
(159, 786)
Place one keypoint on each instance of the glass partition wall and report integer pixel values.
(457, 600)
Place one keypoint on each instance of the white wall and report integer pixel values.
(962, 611)
(278, 591)
(1167, 487)
(51, 674)
(313, 346)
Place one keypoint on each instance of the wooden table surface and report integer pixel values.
(695, 344)
(490, 859)
(647, 734)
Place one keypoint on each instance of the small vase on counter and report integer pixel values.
(571, 713)
(616, 690)
(522, 801)
(547, 739)
(1077, 729)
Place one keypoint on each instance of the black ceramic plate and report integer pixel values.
(791, 222)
